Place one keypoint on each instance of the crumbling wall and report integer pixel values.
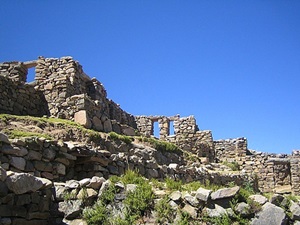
(16, 96)
(186, 134)
(61, 89)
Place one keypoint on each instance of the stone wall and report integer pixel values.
(61, 89)
(21, 99)
(186, 134)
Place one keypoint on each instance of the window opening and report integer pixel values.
(156, 129)
(30, 75)
(171, 128)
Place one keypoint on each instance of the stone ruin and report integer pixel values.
(61, 89)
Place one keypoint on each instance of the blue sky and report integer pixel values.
(234, 65)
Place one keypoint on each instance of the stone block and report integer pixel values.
(82, 118)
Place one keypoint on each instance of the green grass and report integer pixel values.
(137, 203)
(232, 165)
(163, 146)
(124, 138)
(18, 134)
(173, 185)
(165, 213)
(46, 121)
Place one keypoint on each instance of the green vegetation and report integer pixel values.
(232, 165)
(69, 196)
(137, 203)
(174, 185)
(18, 134)
(165, 213)
(124, 138)
(161, 145)
(43, 122)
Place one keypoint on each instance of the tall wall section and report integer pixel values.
(61, 89)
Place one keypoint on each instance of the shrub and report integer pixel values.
(98, 214)
(232, 165)
(173, 184)
(165, 213)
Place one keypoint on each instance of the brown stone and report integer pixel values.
(81, 117)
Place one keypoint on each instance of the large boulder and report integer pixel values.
(271, 215)
(21, 183)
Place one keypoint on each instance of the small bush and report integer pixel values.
(98, 214)
(232, 165)
(173, 184)
(192, 186)
(163, 146)
(165, 213)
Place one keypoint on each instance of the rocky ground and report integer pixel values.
(56, 172)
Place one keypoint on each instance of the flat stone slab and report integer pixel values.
(225, 193)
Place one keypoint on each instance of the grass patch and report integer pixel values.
(46, 121)
(137, 203)
(163, 146)
(124, 138)
(232, 165)
(18, 134)
(165, 213)
(173, 185)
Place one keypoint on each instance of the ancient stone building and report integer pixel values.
(61, 89)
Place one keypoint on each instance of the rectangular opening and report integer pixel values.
(171, 126)
(30, 75)
(155, 126)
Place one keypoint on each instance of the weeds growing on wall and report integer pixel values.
(232, 165)
(161, 145)
(124, 138)
(18, 134)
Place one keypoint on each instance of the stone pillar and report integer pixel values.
(16, 71)
(164, 127)
(295, 179)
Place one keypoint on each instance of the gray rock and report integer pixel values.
(190, 210)
(295, 210)
(243, 209)
(278, 200)
(225, 193)
(271, 215)
(87, 193)
(49, 153)
(4, 138)
(17, 151)
(34, 155)
(107, 126)
(3, 174)
(21, 183)
(260, 199)
(59, 192)
(3, 189)
(84, 182)
(72, 184)
(131, 187)
(71, 209)
(175, 196)
(203, 194)
(5, 221)
(75, 222)
(193, 201)
(46, 183)
(18, 163)
(96, 182)
(104, 187)
(217, 211)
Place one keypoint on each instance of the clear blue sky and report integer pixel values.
(235, 65)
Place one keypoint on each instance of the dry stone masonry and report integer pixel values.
(61, 89)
